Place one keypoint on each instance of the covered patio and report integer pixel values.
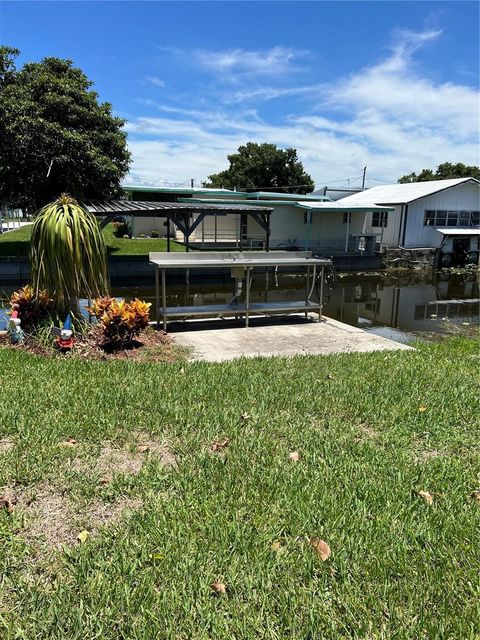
(186, 217)
(342, 233)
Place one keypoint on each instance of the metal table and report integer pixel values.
(241, 265)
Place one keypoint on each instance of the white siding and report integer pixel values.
(463, 197)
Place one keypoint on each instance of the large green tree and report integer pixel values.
(55, 136)
(444, 172)
(263, 167)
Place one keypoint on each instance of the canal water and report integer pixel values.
(392, 306)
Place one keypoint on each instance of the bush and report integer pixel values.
(155, 234)
(121, 321)
(121, 229)
(32, 309)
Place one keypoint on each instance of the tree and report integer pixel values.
(263, 167)
(55, 136)
(444, 172)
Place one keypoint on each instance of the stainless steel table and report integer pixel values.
(241, 265)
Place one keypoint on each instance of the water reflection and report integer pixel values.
(392, 308)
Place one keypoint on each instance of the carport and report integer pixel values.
(185, 216)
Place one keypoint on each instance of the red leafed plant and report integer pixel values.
(31, 308)
(120, 321)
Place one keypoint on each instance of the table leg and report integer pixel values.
(164, 300)
(157, 295)
(247, 297)
(320, 310)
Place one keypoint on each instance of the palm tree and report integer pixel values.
(68, 255)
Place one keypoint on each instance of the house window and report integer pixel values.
(441, 219)
(379, 218)
(347, 217)
(452, 219)
(307, 217)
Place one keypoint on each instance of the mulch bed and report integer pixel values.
(153, 345)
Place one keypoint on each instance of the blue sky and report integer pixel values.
(393, 85)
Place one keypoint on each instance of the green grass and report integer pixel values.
(15, 243)
(371, 430)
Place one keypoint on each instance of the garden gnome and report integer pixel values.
(65, 341)
(15, 330)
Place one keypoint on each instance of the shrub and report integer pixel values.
(68, 255)
(121, 229)
(32, 309)
(155, 234)
(121, 321)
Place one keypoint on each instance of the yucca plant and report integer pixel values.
(68, 255)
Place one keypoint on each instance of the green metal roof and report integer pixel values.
(286, 196)
(253, 203)
(192, 190)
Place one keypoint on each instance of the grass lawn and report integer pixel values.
(15, 243)
(166, 516)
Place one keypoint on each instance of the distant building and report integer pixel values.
(438, 214)
(312, 221)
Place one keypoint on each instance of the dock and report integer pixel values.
(286, 337)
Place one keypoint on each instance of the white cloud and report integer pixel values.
(276, 61)
(388, 116)
(158, 82)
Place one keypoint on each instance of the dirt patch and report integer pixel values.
(430, 454)
(128, 460)
(365, 432)
(153, 345)
(102, 513)
(51, 519)
(6, 444)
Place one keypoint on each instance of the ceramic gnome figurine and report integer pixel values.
(65, 340)
(15, 330)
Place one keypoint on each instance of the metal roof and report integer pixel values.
(141, 208)
(342, 205)
(193, 190)
(404, 193)
(452, 231)
(277, 195)
(313, 205)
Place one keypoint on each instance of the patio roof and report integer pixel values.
(143, 208)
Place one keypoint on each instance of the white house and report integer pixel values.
(298, 221)
(439, 214)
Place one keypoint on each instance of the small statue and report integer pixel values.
(15, 330)
(65, 341)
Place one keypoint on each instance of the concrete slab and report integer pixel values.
(214, 343)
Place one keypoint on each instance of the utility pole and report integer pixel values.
(364, 174)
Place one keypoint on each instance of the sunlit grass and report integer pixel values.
(371, 431)
(15, 243)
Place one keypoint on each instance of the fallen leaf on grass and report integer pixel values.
(83, 536)
(219, 588)
(322, 548)
(294, 456)
(422, 408)
(475, 496)
(143, 448)
(426, 496)
(69, 442)
(7, 502)
(277, 546)
(218, 445)
(245, 416)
